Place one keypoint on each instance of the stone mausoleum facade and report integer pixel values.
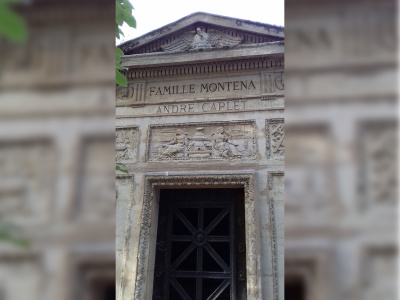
(200, 129)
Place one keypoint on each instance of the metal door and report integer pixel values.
(200, 251)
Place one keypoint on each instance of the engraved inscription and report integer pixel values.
(207, 87)
(275, 130)
(126, 144)
(195, 89)
(212, 106)
(202, 141)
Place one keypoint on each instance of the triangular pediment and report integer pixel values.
(203, 31)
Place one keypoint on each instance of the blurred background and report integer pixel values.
(57, 169)
(341, 160)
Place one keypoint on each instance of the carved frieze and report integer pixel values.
(126, 140)
(272, 85)
(202, 141)
(275, 131)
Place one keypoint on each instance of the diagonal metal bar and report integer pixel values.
(179, 289)
(185, 221)
(217, 258)
(217, 220)
(219, 290)
(184, 254)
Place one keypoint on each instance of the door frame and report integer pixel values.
(149, 219)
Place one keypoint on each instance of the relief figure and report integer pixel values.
(223, 145)
(176, 147)
(124, 146)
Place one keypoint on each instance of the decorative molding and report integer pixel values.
(125, 179)
(154, 182)
(275, 133)
(272, 85)
(127, 144)
(191, 38)
(202, 141)
(133, 94)
(273, 232)
(378, 158)
(205, 68)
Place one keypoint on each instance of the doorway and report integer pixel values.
(200, 248)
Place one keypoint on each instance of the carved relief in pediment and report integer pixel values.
(199, 141)
(200, 39)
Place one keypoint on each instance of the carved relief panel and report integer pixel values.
(27, 171)
(133, 94)
(378, 163)
(275, 131)
(126, 140)
(202, 141)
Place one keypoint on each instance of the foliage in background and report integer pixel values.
(12, 26)
(123, 14)
(13, 29)
(12, 234)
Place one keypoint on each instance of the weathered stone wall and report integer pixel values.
(204, 124)
(341, 161)
(56, 153)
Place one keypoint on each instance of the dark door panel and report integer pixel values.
(200, 245)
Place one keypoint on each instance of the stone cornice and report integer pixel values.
(216, 20)
(213, 67)
(165, 59)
